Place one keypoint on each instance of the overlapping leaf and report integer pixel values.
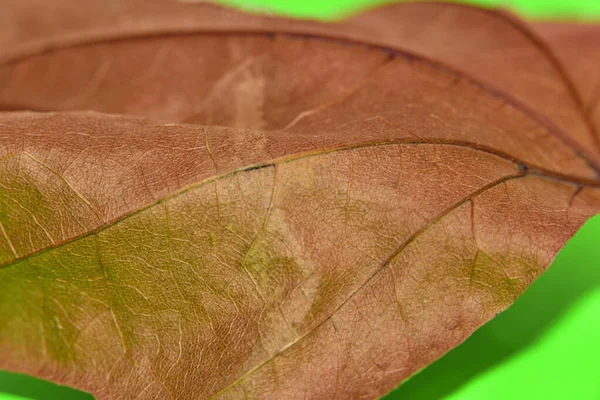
(578, 47)
(346, 203)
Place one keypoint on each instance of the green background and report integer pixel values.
(545, 346)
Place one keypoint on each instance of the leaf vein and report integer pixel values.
(386, 262)
(534, 171)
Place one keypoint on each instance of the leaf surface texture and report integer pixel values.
(199, 203)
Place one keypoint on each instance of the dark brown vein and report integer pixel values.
(397, 52)
(594, 100)
(547, 51)
(523, 167)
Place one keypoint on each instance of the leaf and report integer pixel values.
(105, 39)
(578, 48)
(351, 201)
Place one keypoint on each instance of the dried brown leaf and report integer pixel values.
(346, 202)
(578, 46)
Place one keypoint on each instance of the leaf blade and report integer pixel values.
(405, 197)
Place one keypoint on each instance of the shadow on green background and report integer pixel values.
(546, 308)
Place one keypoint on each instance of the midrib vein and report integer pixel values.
(528, 170)
(395, 51)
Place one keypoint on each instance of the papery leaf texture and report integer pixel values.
(197, 203)
(578, 47)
